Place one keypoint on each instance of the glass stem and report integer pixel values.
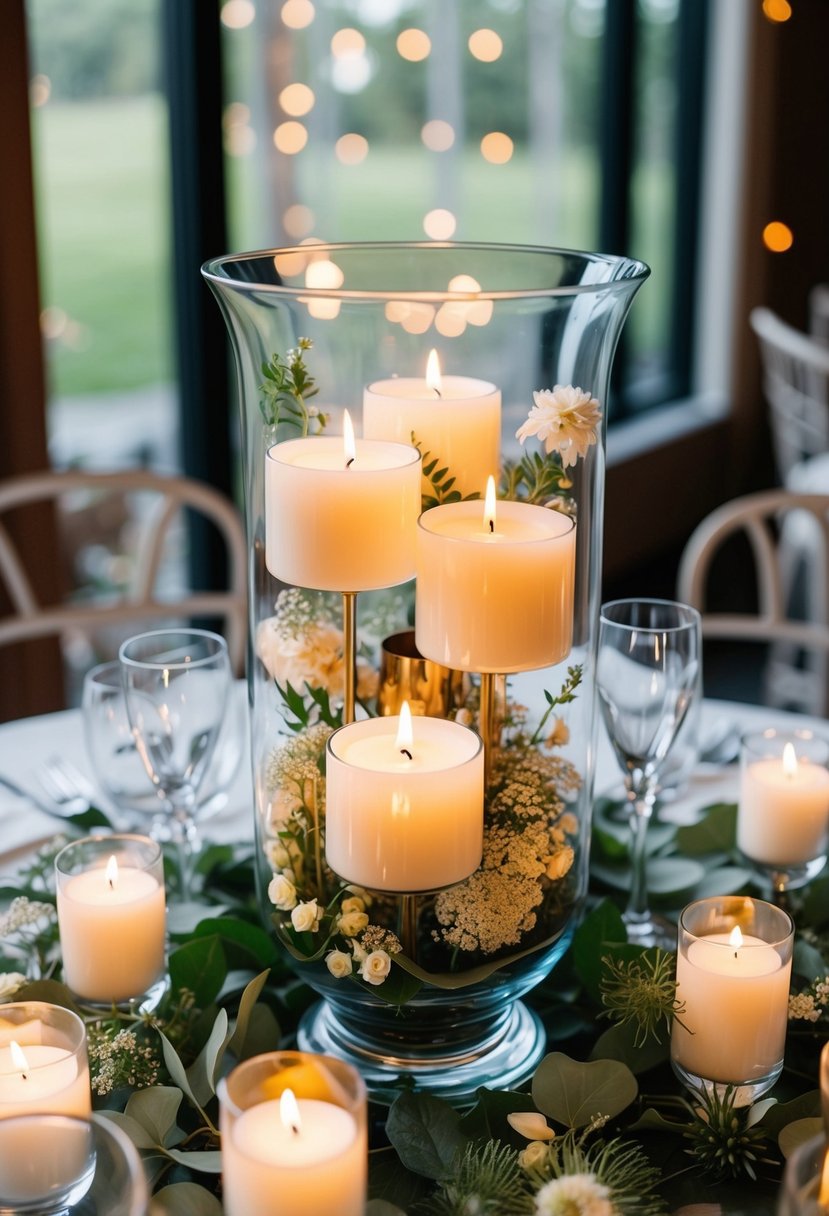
(637, 909)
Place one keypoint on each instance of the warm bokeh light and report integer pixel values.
(485, 45)
(413, 45)
(347, 42)
(297, 14)
(496, 147)
(298, 220)
(777, 10)
(324, 275)
(351, 148)
(239, 135)
(451, 320)
(53, 322)
(440, 224)
(418, 318)
(477, 312)
(396, 310)
(463, 282)
(437, 135)
(40, 90)
(297, 99)
(778, 237)
(290, 265)
(237, 14)
(290, 137)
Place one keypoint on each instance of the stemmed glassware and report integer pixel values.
(647, 676)
(176, 684)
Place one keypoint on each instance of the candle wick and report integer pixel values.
(404, 751)
(735, 953)
(24, 1076)
(492, 525)
(295, 1129)
(349, 462)
(111, 884)
(438, 393)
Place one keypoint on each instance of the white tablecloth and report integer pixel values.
(27, 743)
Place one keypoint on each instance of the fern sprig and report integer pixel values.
(443, 485)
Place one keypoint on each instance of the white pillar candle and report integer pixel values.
(402, 816)
(783, 817)
(735, 989)
(341, 522)
(45, 1160)
(313, 1165)
(495, 588)
(456, 418)
(112, 926)
(41, 1077)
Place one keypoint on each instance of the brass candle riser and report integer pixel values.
(349, 653)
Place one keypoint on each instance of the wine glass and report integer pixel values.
(176, 684)
(647, 676)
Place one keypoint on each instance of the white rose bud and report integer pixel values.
(282, 893)
(534, 1156)
(531, 1125)
(352, 923)
(306, 916)
(354, 903)
(338, 963)
(375, 967)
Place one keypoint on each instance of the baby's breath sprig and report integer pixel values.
(643, 991)
(287, 389)
(117, 1058)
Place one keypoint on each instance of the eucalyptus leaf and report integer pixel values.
(797, 1133)
(203, 1071)
(619, 1043)
(50, 991)
(716, 832)
(807, 961)
(723, 880)
(184, 1199)
(208, 1162)
(155, 1108)
(572, 1093)
(652, 1121)
(263, 1033)
(487, 1120)
(758, 1110)
(426, 1133)
(673, 875)
(602, 925)
(806, 1106)
(200, 965)
(247, 1002)
(253, 940)
(139, 1135)
(175, 1067)
(816, 903)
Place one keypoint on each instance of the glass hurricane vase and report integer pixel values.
(482, 617)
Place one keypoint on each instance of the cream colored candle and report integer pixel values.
(495, 588)
(42, 1078)
(404, 816)
(45, 1159)
(112, 927)
(783, 814)
(735, 989)
(455, 418)
(308, 1163)
(339, 518)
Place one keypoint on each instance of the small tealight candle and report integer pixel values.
(495, 585)
(111, 916)
(404, 803)
(47, 1163)
(733, 967)
(43, 1061)
(294, 1140)
(340, 512)
(455, 418)
(783, 818)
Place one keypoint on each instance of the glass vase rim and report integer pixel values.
(109, 843)
(693, 621)
(761, 905)
(214, 270)
(56, 1017)
(175, 664)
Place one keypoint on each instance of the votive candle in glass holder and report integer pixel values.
(294, 1137)
(783, 815)
(43, 1061)
(111, 916)
(733, 965)
(805, 1189)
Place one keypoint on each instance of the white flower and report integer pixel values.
(375, 967)
(359, 952)
(314, 656)
(534, 1156)
(531, 1125)
(574, 1195)
(565, 420)
(277, 855)
(354, 903)
(559, 734)
(559, 864)
(352, 923)
(362, 894)
(339, 964)
(306, 916)
(282, 893)
(10, 982)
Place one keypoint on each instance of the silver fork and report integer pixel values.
(66, 786)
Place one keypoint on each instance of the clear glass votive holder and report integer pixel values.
(733, 966)
(294, 1137)
(112, 919)
(783, 814)
(44, 1067)
(55, 1165)
(805, 1189)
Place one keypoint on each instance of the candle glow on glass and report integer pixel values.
(489, 505)
(289, 1111)
(405, 734)
(111, 872)
(433, 376)
(783, 817)
(18, 1058)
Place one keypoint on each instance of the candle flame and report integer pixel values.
(735, 938)
(823, 1197)
(111, 873)
(789, 760)
(433, 376)
(349, 446)
(489, 505)
(405, 734)
(18, 1057)
(289, 1111)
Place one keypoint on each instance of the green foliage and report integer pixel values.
(642, 991)
(487, 1180)
(443, 485)
(535, 478)
(575, 1094)
(727, 1141)
(287, 389)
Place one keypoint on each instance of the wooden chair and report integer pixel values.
(144, 596)
(796, 676)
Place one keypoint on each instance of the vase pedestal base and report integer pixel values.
(503, 1059)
